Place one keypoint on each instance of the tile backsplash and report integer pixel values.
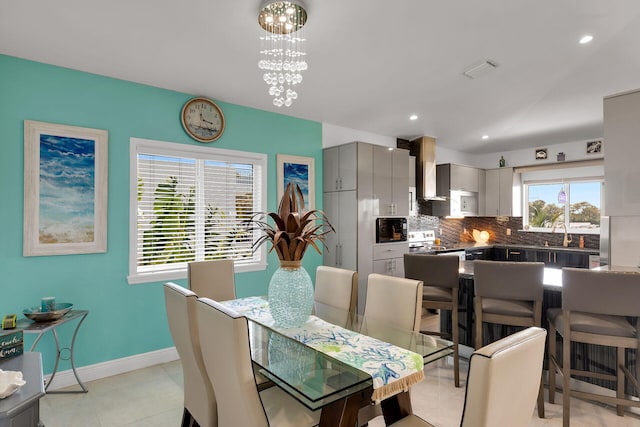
(457, 230)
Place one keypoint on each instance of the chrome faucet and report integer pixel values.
(567, 239)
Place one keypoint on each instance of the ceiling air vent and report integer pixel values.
(480, 69)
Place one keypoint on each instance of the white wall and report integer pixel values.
(336, 135)
(573, 151)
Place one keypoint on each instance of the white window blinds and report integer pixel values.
(190, 205)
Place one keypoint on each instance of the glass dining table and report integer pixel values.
(323, 382)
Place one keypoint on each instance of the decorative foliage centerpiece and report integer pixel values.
(294, 230)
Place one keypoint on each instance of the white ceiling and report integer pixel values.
(371, 63)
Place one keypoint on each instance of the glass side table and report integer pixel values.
(40, 328)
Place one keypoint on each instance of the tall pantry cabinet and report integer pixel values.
(352, 206)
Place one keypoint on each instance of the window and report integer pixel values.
(189, 203)
(548, 204)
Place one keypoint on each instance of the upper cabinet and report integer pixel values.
(499, 193)
(621, 171)
(340, 168)
(456, 177)
(391, 181)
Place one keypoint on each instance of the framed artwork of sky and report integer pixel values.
(65, 189)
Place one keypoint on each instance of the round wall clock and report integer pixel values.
(202, 119)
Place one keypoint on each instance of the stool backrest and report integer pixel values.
(433, 270)
(509, 280)
(601, 292)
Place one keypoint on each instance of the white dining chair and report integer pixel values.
(503, 383)
(199, 397)
(394, 301)
(227, 358)
(336, 287)
(213, 279)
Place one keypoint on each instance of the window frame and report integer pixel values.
(562, 181)
(146, 146)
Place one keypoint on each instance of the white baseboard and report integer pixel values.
(112, 367)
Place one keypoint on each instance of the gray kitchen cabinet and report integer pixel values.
(456, 177)
(340, 167)
(390, 181)
(499, 193)
(388, 259)
(341, 207)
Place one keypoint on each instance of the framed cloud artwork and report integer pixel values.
(65, 189)
(299, 170)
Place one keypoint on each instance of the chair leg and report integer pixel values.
(186, 418)
(550, 364)
(541, 398)
(620, 383)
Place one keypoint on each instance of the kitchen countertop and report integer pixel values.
(464, 246)
(552, 276)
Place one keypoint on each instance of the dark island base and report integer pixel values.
(593, 358)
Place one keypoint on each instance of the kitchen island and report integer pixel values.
(587, 357)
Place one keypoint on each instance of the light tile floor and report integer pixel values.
(152, 397)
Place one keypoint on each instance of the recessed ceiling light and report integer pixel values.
(485, 136)
(413, 117)
(586, 39)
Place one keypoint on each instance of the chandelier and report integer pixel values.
(282, 55)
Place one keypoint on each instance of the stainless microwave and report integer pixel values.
(390, 230)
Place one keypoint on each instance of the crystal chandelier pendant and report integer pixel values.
(282, 54)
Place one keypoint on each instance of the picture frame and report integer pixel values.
(541, 154)
(65, 189)
(299, 170)
(594, 147)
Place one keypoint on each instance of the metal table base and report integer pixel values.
(41, 328)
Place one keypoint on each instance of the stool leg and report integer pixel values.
(620, 383)
(455, 332)
(478, 312)
(566, 373)
(552, 367)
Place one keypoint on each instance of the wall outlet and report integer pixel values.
(508, 232)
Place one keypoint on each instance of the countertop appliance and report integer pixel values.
(390, 230)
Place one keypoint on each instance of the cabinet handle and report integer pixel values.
(549, 256)
(555, 259)
(515, 253)
(337, 187)
(337, 257)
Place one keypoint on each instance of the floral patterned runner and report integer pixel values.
(392, 368)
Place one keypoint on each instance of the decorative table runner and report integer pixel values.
(392, 368)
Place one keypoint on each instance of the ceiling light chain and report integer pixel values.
(282, 53)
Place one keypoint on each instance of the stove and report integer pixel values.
(423, 240)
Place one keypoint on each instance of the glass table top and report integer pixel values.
(316, 379)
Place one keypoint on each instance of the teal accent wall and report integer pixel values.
(124, 319)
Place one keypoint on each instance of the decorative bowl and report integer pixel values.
(37, 315)
(10, 382)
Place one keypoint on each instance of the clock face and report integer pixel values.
(202, 119)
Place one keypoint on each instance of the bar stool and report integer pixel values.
(509, 293)
(440, 277)
(595, 306)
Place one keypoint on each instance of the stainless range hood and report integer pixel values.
(426, 168)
